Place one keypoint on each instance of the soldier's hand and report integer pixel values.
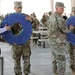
(29, 18)
(7, 27)
(71, 27)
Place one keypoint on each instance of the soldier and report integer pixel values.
(44, 19)
(71, 49)
(23, 50)
(57, 39)
(35, 26)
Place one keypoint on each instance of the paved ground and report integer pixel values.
(40, 61)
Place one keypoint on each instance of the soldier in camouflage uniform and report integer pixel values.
(57, 39)
(23, 50)
(35, 26)
(71, 49)
(44, 19)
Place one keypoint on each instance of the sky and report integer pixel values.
(30, 6)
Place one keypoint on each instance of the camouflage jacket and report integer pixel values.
(35, 24)
(57, 28)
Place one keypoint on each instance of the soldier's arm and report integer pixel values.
(62, 26)
(28, 17)
(4, 29)
(51, 25)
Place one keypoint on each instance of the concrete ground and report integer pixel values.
(40, 60)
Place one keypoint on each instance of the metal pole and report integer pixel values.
(0, 7)
(72, 3)
(52, 5)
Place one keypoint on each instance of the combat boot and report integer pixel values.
(19, 74)
(73, 72)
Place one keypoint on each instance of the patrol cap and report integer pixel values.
(73, 9)
(18, 4)
(59, 4)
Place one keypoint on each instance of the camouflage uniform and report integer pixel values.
(22, 50)
(35, 26)
(44, 19)
(71, 49)
(57, 39)
(57, 43)
(19, 51)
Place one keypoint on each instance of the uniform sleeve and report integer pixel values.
(62, 26)
(2, 30)
(51, 24)
(29, 16)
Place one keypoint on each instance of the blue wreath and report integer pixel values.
(70, 21)
(71, 36)
(24, 35)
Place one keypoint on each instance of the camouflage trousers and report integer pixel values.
(59, 60)
(71, 50)
(23, 51)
